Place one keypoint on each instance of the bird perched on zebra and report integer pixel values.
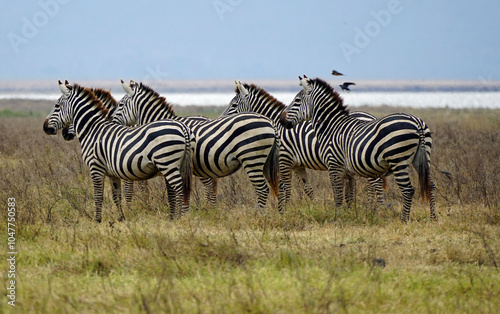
(300, 148)
(366, 148)
(118, 152)
(222, 145)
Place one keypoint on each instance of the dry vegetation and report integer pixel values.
(236, 259)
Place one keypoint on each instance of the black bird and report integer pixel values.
(336, 73)
(346, 85)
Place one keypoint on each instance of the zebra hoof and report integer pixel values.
(98, 219)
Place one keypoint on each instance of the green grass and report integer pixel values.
(8, 113)
(313, 259)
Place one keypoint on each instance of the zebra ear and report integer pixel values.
(63, 87)
(242, 89)
(127, 88)
(304, 82)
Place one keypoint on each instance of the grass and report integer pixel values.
(313, 259)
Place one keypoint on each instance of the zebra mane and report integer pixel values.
(105, 94)
(262, 93)
(95, 102)
(157, 99)
(334, 99)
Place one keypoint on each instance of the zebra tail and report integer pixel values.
(186, 167)
(272, 169)
(384, 184)
(422, 164)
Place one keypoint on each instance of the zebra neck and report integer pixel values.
(88, 119)
(326, 121)
(273, 113)
(154, 111)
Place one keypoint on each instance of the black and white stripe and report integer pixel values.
(108, 149)
(222, 145)
(300, 148)
(366, 148)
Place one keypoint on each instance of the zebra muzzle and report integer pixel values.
(285, 122)
(49, 130)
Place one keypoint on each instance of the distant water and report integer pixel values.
(407, 99)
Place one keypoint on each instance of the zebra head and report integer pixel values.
(300, 109)
(240, 101)
(127, 111)
(60, 115)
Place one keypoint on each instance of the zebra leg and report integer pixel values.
(285, 186)
(403, 181)
(376, 190)
(260, 184)
(128, 191)
(349, 184)
(302, 177)
(98, 181)
(172, 200)
(174, 184)
(210, 190)
(144, 188)
(116, 184)
(337, 180)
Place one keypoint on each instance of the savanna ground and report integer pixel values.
(313, 259)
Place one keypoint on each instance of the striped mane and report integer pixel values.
(107, 101)
(333, 100)
(262, 93)
(104, 94)
(95, 102)
(156, 99)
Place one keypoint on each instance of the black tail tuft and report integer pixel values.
(271, 168)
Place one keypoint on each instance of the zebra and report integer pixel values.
(222, 145)
(300, 148)
(366, 148)
(125, 153)
(108, 101)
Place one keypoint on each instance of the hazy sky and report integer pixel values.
(250, 39)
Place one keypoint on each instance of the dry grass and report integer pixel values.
(235, 259)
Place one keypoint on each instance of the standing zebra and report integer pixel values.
(222, 145)
(124, 153)
(366, 148)
(110, 103)
(300, 148)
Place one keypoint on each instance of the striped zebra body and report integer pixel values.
(222, 145)
(108, 149)
(366, 148)
(300, 148)
(110, 103)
